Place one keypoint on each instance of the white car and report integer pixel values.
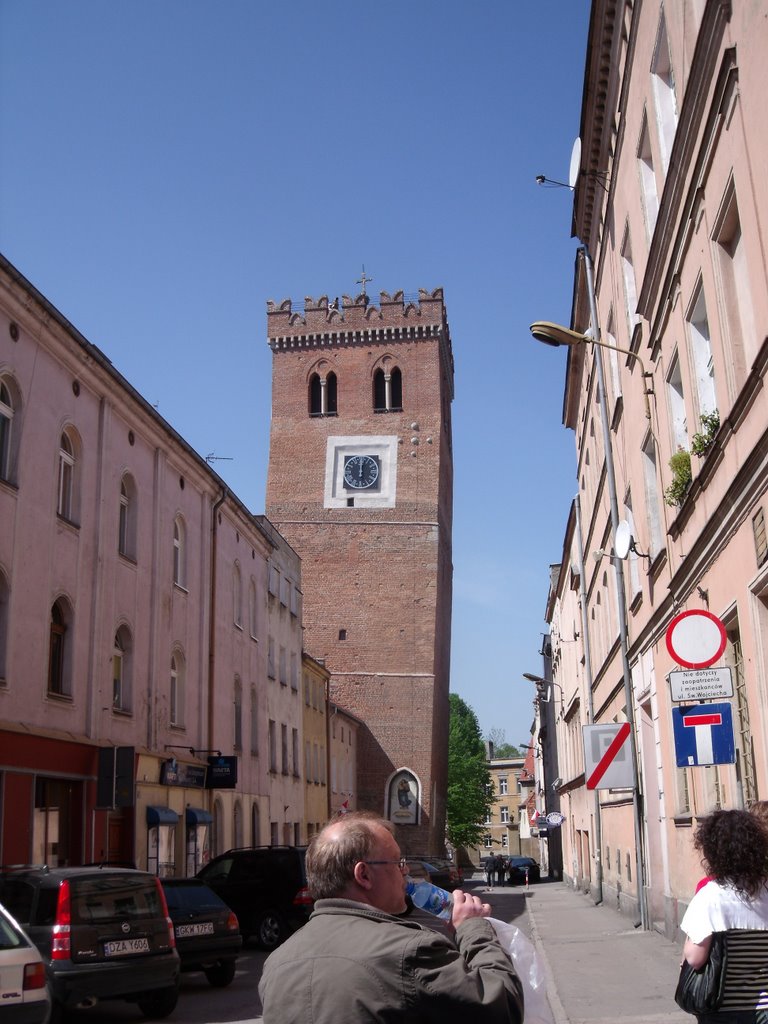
(24, 996)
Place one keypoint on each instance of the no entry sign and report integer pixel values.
(696, 639)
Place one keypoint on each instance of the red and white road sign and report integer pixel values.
(696, 639)
(607, 760)
(703, 723)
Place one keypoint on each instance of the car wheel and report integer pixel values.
(270, 930)
(221, 975)
(159, 1003)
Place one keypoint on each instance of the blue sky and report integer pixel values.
(169, 165)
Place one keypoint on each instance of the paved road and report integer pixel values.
(598, 968)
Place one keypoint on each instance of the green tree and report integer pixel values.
(470, 789)
(501, 748)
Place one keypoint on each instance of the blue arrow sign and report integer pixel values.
(703, 735)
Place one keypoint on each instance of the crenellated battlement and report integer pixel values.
(353, 314)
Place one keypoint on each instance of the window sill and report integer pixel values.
(65, 521)
(180, 586)
(122, 712)
(60, 698)
(125, 557)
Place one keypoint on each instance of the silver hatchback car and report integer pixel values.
(24, 996)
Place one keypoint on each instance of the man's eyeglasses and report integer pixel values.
(402, 863)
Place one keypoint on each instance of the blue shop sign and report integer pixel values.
(175, 773)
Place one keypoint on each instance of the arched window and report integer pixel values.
(121, 670)
(388, 390)
(255, 825)
(6, 430)
(253, 610)
(66, 488)
(323, 395)
(4, 605)
(237, 596)
(59, 660)
(126, 541)
(176, 696)
(237, 705)
(179, 552)
(237, 825)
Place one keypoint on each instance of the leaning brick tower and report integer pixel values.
(361, 485)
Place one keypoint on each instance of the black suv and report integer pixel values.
(104, 933)
(266, 886)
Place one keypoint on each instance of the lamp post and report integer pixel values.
(554, 334)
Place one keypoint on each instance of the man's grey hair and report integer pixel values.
(333, 852)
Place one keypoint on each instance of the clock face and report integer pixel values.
(361, 472)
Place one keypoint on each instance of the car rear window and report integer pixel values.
(9, 937)
(113, 898)
(192, 897)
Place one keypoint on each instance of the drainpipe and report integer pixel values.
(598, 888)
(212, 615)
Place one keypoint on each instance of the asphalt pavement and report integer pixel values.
(598, 967)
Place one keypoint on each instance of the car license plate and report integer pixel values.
(183, 931)
(124, 947)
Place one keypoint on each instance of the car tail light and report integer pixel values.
(302, 898)
(34, 977)
(61, 947)
(233, 925)
(166, 915)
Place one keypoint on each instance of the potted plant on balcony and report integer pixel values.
(680, 464)
(702, 440)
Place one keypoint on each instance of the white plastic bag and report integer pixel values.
(522, 953)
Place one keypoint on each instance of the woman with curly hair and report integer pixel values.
(734, 848)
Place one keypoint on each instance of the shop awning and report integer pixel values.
(197, 816)
(161, 816)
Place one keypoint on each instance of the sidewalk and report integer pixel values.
(599, 967)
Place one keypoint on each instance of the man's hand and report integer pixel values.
(465, 905)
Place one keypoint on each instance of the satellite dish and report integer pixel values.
(624, 541)
(573, 174)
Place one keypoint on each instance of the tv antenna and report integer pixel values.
(213, 457)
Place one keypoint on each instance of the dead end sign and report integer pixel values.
(607, 760)
(696, 639)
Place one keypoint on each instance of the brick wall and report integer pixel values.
(377, 581)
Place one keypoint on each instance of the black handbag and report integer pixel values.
(701, 991)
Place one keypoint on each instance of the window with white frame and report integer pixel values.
(487, 842)
(177, 689)
(253, 612)
(237, 595)
(504, 840)
(294, 671)
(179, 552)
(502, 785)
(254, 722)
(127, 518)
(665, 101)
(284, 748)
(613, 382)
(272, 738)
(60, 650)
(701, 351)
(283, 665)
(66, 484)
(271, 657)
(488, 816)
(737, 304)
(630, 283)
(652, 496)
(504, 814)
(676, 401)
(237, 714)
(647, 178)
(121, 670)
(9, 422)
(295, 751)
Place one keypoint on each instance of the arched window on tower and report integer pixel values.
(388, 390)
(323, 395)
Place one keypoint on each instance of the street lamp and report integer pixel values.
(541, 686)
(554, 334)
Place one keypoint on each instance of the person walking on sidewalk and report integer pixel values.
(490, 868)
(501, 870)
(734, 845)
(356, 960)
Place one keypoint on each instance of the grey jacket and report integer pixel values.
(352, 964)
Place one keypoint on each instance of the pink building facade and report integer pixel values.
(135, 609)
(671, 201)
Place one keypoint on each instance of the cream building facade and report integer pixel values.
(671, 203)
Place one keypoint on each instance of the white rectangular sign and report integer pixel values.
(699, 684)
(607, 760)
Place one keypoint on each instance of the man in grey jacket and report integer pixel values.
(355, 961)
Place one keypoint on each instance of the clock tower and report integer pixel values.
(361, 485)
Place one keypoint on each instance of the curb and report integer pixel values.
(553, 998)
